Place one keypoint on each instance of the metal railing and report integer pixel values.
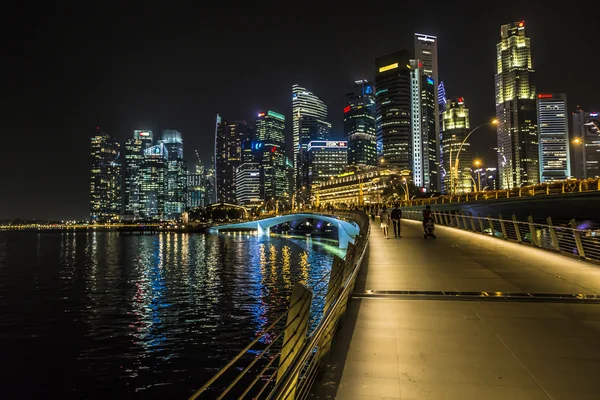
(543, 189)
(283, 360)
(565, 238)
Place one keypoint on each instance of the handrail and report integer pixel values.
(566, 187)
(567, 240)
(303, 360)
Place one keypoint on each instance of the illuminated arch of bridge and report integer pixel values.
(346, 230)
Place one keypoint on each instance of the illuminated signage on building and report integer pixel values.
(429, 81)
(426, 38)
(368, 90)
(544, 96)
(319, 144)
(262, 114)
(593, 114)
(347, 109)
(388, 67)
(276, 115)
(144, 134)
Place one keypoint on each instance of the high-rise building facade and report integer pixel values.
(327, 159)
(105, 182)
(176, 175)
(442, 101)
(426, 53)
(134, 157)
(210, 182)
(270, 126)
(153, 175)
(425, 143)
(455, 128)
(586, 144)
(518, 149)
(248, 185)
(229, 137)
(196, 187)
(393, 109)
(553, 126)
(309, 122)
(359, 124)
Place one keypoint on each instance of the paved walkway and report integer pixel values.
(392, 347)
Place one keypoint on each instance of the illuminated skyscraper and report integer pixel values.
(134, 157)
(153, 172)
(105, 183)
(270, 126)
(425, 143)
(455, 128)
(228, 157)
(309, 122)
(248, 185)
(518, 150)
(442, 101)
(176, 176)
(553, 125)
(426, 53)
(359, 124)
(393, 102)
(586, 144)
(327, 159)
(196, 187)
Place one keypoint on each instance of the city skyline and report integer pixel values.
(144, 102)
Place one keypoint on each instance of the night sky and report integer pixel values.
(72, 67)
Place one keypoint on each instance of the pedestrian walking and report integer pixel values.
(385, 222)
(396, 216)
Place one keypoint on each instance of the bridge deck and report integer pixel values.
(442, 347)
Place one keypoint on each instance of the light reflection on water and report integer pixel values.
(91, 315)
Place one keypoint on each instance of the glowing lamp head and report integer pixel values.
(521, 24)
(495, 122)
(477, 163)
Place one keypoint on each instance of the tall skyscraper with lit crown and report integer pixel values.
(518, 150)
(309, 122)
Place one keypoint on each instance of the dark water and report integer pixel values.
(97, 315)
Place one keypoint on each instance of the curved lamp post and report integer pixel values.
(455, 182)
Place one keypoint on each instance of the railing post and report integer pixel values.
(491, 223)
(446, 219)
(481, 225)
(577, 236)
(532, 230)
(437, 218)
(502, 226)
(472, 222)
(295, 333)
(333, 290)
(552, 231)
(517, 231)
(464, 218)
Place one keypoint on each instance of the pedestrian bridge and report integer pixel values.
(347, 230)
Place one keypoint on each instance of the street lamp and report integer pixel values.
(455, 182)
(477, 164)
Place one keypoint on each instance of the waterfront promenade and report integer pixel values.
(432, 344)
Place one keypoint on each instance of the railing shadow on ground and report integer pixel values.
(285, 359)
(565, 239)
